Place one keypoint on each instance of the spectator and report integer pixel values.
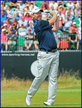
(29, 40)
(21, 6)
(26, 9)
(3, 3)
(25, 4)
(18, 10)
(73, 40)
(73, 28)
(70, 15)
(3, 17)
(31, 27)
(27, 17)
(30, 5)
(62, 9)
(33, 4)
(22, 32)
(77, 12)
(73, 36)
(70, 5)
(64, 43)
(15, 30)
(3, 6)
(4, 38)
(78, 4)
(45, 6)
(23, 21)
(55, 5)
(51, 9)
(17, 16)
(61, 19)
(15, 22)
(9, 13)
(67, 23)
(51, 3)
(12, 38)
(6, 29)
(8, 23)
(70, 12)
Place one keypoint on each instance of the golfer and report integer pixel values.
(48, 56)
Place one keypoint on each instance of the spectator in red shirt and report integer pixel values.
(45, 6)
(61, 19)
(62, 9)
(73, 38)
(27, 17)
(73, 27)
(4, 38)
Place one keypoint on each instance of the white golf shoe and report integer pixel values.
(28, 101)
(48, 103)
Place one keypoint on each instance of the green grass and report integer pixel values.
(14, 91)
(65, 98)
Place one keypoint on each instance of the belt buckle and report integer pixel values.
(54, 50)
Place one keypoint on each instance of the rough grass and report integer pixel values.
(18, 84)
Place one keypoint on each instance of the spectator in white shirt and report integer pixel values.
(19, 10)
(67, 23)
(70, 5)
(23, 21)
(55, 5)
(51, 3)
(9, 13)
(21, 5)
(30, 5)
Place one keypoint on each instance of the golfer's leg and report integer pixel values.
(43, 68)
(52, 88)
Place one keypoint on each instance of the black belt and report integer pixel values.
(53, 50)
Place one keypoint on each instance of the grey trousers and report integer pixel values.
(47, 65)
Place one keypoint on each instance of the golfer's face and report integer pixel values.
(37, 15)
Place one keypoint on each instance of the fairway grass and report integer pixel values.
(13, 93)
(65, 98)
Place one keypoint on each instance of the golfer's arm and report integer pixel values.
(56, 25)
(53, 19)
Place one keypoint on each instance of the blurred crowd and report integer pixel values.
(17, 30)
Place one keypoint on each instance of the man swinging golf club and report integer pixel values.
(47, 58)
